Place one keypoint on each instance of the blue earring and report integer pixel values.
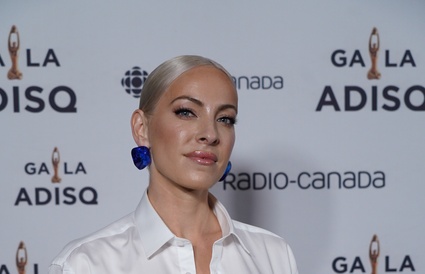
(141, 157)
(228, 168)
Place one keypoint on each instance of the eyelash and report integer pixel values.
(230, 121)
(187, 112)
(183, 112)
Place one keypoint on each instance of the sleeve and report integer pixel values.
(292, 262)
(58, 269)
(55, 269)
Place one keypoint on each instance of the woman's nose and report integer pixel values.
(208, 133)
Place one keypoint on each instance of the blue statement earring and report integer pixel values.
(228, 168)
(141, 157)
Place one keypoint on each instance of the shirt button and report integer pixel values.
(187, 272)
(181, 244)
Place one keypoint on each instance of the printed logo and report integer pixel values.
(305, 180)
(21, 260)
(133, 81)
(373, 73)
(375, 98)
(358, 264)
(374, 250)
(56, 194)
(19, 96)
(264, 82)
(13, 45)
(55, 163)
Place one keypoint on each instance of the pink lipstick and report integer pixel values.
(202, 157)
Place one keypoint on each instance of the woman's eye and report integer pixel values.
(183, 112)
(227, 120)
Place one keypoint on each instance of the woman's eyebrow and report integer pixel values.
(185, 97)
(227, 106)
(199, 103)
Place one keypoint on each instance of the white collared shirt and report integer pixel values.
(141, 243)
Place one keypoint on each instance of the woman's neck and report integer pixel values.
(187, 213)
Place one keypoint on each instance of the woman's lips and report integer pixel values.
(202, 157)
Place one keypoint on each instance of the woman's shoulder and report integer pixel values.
(96, 240)
(266, 246)
(251, 230)
(255, 238)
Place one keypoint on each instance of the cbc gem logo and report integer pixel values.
(133, 81)
(56, 174)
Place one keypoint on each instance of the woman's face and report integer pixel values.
(191, 130)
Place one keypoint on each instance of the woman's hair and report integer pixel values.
(162, 77)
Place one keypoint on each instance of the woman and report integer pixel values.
(184, 129)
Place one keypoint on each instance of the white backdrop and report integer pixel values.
(323, 179)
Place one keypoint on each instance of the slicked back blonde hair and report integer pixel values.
(161, 78)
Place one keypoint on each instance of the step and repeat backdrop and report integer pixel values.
(330, 143)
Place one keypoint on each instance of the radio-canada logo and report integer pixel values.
(134, 79)
(57, 174)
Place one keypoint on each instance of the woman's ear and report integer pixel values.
(139, 128)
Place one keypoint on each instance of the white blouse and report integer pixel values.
(141, 243)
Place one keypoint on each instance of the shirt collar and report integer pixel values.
(226, 223)
(154, 233)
